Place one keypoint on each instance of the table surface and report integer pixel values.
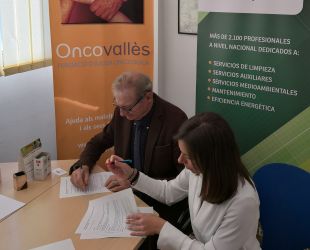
(35, 188)
(46, 218)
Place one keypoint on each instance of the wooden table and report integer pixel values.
(46, 218)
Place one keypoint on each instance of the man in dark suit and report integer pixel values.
(142, 129)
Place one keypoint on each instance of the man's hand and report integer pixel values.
(80, 176)
(115, 184)
(106, 9)
(142, 224)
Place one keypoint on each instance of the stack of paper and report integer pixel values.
(106, 216)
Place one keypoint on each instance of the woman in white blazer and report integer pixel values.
(223, 202)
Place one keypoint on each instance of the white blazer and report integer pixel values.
(231, 225)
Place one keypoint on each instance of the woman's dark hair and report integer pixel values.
(212, 147)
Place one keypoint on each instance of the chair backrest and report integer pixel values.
(284, 193)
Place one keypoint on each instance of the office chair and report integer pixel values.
(284, 193)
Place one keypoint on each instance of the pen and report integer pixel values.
(128, 161)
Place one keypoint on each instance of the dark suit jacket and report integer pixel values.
(161, 152)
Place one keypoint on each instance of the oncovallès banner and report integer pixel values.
(90, 49)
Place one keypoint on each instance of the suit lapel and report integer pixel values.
(125, 139)
(154, 132)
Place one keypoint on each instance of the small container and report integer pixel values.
(20, 180)
(42, 166)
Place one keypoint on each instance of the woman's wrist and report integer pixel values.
(134, 177)
(130, 176)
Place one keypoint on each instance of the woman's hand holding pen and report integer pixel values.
(116, 165)
(120, 180)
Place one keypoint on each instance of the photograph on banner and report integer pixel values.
(102, 11)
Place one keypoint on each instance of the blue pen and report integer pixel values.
(128, 161)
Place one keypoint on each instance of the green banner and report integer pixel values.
(254, 69)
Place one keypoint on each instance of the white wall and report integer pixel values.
(27, 104)
(26, 112)
(177, 59)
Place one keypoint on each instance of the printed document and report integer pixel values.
(106, 216)
(8, 206)
(95, 185)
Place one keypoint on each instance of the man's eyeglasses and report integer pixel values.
(129, 108)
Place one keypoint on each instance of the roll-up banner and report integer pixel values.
(253, 68)
(93, 41)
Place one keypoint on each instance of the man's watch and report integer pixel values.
(75, 166)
